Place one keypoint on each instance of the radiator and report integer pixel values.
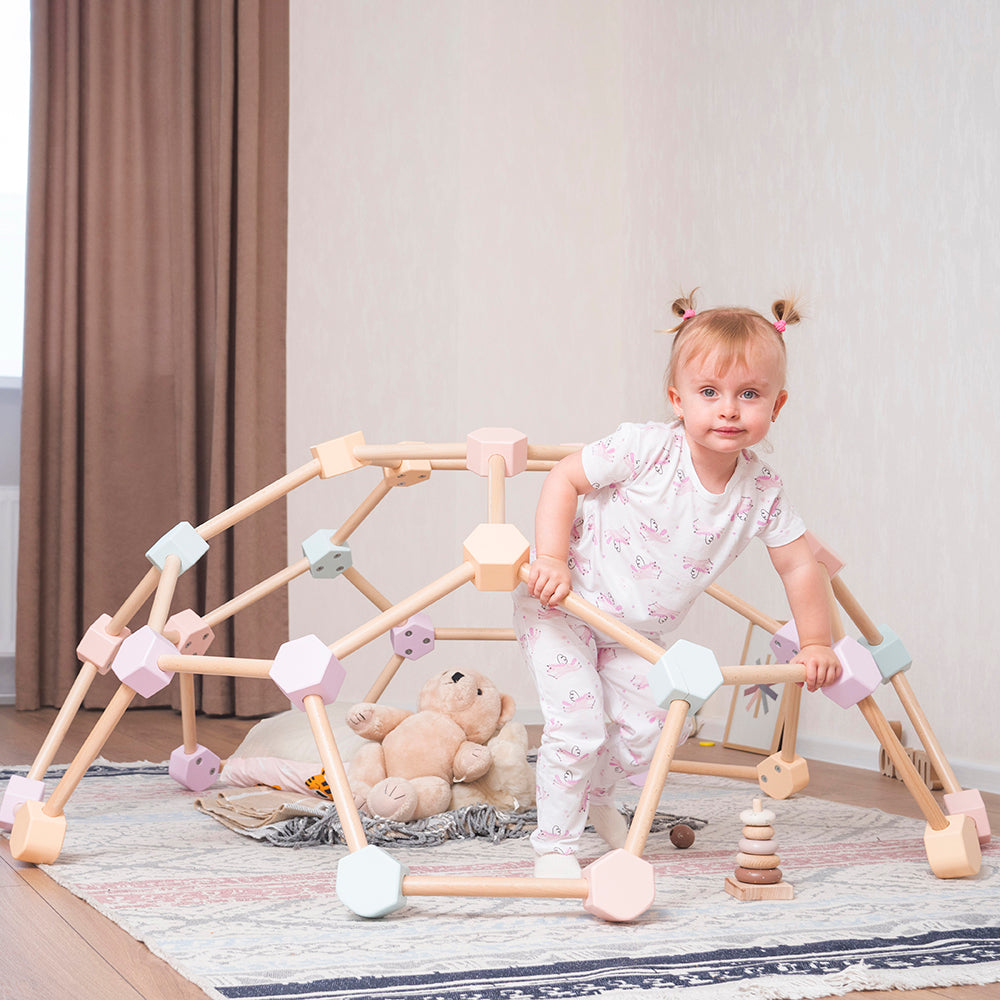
(8, 567)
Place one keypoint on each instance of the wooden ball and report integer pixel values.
(681, 836)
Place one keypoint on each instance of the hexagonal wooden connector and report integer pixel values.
(410, 471)
(337, 456)
(824, 556)
(622, 886)
(505, 441)
(497, 551)
(781, 778)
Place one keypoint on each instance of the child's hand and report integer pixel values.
(549, 580)
(822, 666)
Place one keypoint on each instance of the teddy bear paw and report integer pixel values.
(472, 761)
(393, 798)
(361, 717)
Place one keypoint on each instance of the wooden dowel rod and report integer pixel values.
(451, 581)
(382, 681)
(496, 512)
(160, 611)
(855, 612)
(384, 463)
(188, 724)
(551, 452)
(836, 622)
(791, 706)
(479, 634)
(763, 673)
(904, 766)
(336, 775)
(505, 888)
(365, 587)
(925, 734)
(377, 495)
(87, 753)
(57, 732)
(659, 768)
(742, 772)
(216, 666)
(743, 608)
(377, 454)
(259, 500)
(459, 465)
(605, 624)
(133, 602)
(616, 630)
(257, 592)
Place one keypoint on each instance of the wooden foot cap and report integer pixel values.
(742, 892)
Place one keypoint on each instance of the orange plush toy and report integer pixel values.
(409, 768)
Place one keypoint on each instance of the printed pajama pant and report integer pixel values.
(601, 724)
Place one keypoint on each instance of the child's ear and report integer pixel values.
(675, 401)
(778, 404)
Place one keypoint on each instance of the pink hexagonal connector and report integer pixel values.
(195, 633)
(136, 662)
(785, 643)
(859, 674)
(824, 556)
(414, 638)
(196, 770)
(18, 791)
(99, 646)
(622, 886)
(306, 666)
(487, 441)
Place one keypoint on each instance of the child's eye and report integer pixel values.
(749, 394)
(709, 393)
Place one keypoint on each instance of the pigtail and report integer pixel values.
(785, 312)
(683, 308)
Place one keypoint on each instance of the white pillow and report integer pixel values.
(288, 735)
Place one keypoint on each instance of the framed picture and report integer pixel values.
(756, 714)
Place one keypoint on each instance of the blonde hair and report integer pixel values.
(732, 332)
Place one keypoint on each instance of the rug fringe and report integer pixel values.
(478, 820)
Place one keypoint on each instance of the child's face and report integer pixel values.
(725, 412)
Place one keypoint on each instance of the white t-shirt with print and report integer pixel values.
(651, 538)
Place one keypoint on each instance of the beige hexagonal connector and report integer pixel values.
(497, 551)
(780, 778)
(337, 456)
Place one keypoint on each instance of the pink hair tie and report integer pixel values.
(780, 326)
(688, 313)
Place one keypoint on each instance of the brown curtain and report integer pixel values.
(154, 364)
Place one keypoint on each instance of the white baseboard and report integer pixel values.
(7, 680)
(971, 774)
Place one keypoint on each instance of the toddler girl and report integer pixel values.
(665, 509)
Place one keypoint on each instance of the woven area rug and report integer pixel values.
(243, 918)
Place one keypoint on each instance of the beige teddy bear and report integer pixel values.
(459, 748)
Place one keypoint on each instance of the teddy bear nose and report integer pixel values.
(456, 677)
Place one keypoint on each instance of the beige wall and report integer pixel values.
(492, 205)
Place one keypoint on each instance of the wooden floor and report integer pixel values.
(55, 947)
